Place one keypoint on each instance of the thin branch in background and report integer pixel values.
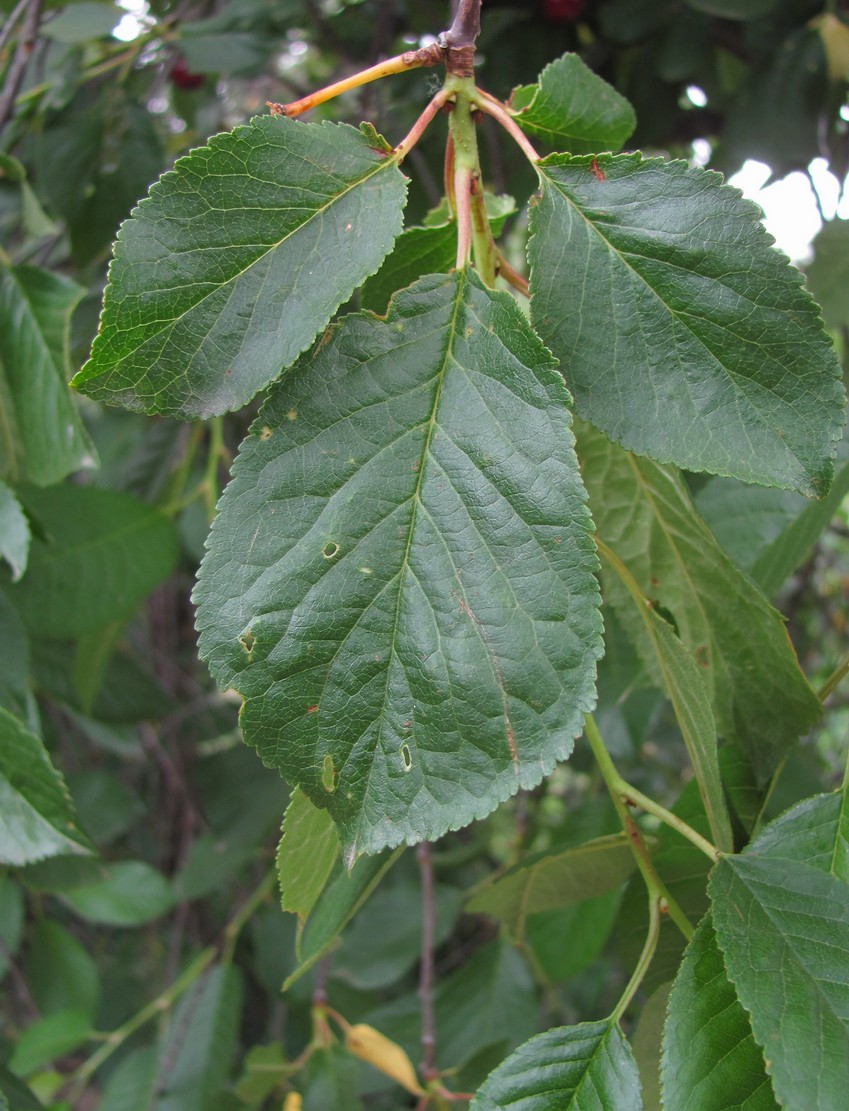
(9, 25)
(18, 65)
(426, 976)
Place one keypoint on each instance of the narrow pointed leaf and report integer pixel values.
(783, 927)
(42, 438)
(682, 334)
(710, 1061)
(236, 260)
(552, 879)
(570, 1068)
(37, 818)
(573, 109)
(687, 692)
(400, 579)
(645, 517)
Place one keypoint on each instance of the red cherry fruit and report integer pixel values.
(182, 76)
(562, 11)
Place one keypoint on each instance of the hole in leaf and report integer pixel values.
(406, 756)
(330, 550)
(328, 774)
(247, 641)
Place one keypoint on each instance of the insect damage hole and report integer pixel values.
(330, 549)
(247, 641)
(406, 756)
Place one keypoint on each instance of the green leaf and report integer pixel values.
(646, 1045)
(414, 627)
(50, 1038)
(306, 854)
(711, 1061)
(131, 1084)
(60, 972)
(425, 250)
(783, 927)
(554, 878)
(573, 109)
(11, 921)
(681, 333)
(645, 517)
(588, 1067)
(37, 816)
(195, 1058)
(42, 438)
(687, 692)
(587, 925)
(14, 532)
(236, 260)
(83, 21)
(15, 693)
(828, 274)
(104, 551)
(814, 832)
(330, 1081)
(340, 900)
(132, 894)
(15, 1095)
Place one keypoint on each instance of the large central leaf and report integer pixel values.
(235, 262)
(681, 333)
(400, 580)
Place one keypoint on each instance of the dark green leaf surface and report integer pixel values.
(400, 579)
(783, 927)
(645, 516)
(815, 832)
(37, 817)
(681, 333)
(14, 532)
(554, 878)
(306, 854)
(711, 1061)
(104, 551)
(194, 1060)
(828, 274)
(573, 109)
(235, 262)
(131, 1084)
(15, 1095)
(42, 438)
(588, 1067)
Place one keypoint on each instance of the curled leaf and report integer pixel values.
(385, 1055)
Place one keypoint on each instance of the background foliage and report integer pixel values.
(139, 894)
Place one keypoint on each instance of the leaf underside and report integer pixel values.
(400, 580)
(682, 334)
(236, 260)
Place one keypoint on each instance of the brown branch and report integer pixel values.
(428, 1065)
(459, 40)
(18, 65)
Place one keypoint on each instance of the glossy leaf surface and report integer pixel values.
(235, 262)
(569, 1068)
(681, 333)
(400, 579)
(711, 1061)
(573, 109)
(783, 927)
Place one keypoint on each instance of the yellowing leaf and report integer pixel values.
(379, 1051)
(293, 1102)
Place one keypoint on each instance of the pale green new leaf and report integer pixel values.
(554, 878)
(400, 580)
(682, 334)
(42, 438)
(37, 816)
(710, 1061)
(589, 1067)
(645, 517)
(236, 260)
(306, 854)
(783, 928)
(573, 109)
(828, 274)
(14, 532)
